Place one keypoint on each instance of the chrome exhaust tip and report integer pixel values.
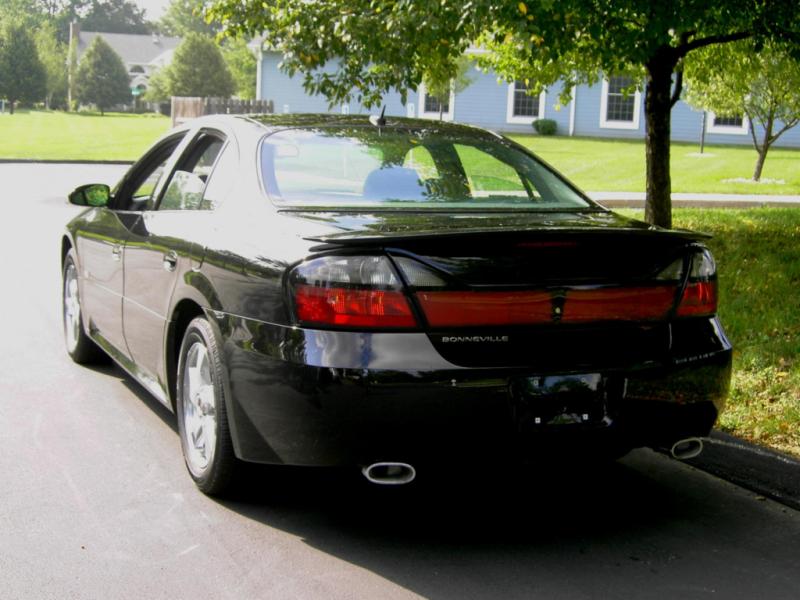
(389, 473)
(686, 449)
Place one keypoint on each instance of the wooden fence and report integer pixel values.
(184, 108)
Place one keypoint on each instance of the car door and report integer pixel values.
(101, 242)
(163, 246)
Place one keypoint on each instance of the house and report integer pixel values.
(599, 110)
(142, 54)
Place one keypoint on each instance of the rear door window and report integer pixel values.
(188, 182)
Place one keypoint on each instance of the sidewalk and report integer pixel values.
(636, 200)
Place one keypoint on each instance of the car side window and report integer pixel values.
(188, 181)
(136, 191)
(143, 195)
(222, 181)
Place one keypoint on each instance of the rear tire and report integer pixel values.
(202, 417)
(80, 346)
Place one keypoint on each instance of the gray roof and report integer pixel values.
(133, 48)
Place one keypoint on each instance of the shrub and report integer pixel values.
(545, 126)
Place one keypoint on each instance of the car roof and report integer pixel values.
(277, 122)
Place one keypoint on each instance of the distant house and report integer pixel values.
(143, 54)
(600, 110)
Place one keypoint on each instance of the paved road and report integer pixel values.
(95, 502)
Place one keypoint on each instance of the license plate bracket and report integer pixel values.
(559, 400)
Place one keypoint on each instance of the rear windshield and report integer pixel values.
(356, 167)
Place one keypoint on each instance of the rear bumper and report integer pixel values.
(309, 397)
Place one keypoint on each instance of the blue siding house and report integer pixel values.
(599, 110)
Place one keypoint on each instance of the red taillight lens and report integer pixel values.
(619, 304)
(699, 299)
(453, 309)
(353, 308)
(350, 291)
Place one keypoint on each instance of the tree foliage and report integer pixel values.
(22, 75)
(186, 16)
(158, 86)
(115, 16)
(386, 44)
(102, 78)
(442, 88)
(243, 66)
(53, 54)
(763, 85)
(198, 69)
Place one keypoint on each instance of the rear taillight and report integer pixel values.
(350, 291)
(699, 297)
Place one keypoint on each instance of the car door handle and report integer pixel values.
(170, 261)
(116, 252)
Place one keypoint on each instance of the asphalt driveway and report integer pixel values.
(95, 501)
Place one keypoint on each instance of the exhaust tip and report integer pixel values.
(687, 448)
(389, 473)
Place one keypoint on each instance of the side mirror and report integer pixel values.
(94, 194)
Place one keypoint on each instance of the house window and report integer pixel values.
(521, 107)
(729, 124)
(431, 106)
(617, 109)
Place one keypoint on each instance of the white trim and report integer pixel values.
(573, 101)
(524, 120)
(743, 129)
(423, 114)
(637, 103)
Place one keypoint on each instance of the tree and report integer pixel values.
(764, 86)
(115, 16)
(22, 75)
(385, 44)
(158, 86)
(186, 16)
(53, 55)
(102, 78)
(198, 69)
(444, 86)
(243, 66)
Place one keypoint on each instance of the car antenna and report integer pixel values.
(379, 121)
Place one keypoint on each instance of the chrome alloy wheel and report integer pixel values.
(72, 308)
(199, 410)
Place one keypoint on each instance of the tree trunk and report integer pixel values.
(11, 103)
(764, 148)
(762, 156)
(657, 108)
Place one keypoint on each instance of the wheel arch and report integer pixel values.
(182, 314)
(66, 246)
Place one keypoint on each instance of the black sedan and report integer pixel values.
(388, 293)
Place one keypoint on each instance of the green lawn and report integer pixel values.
(758, 260)
(595, 165)
(618, 165)
(81, 136)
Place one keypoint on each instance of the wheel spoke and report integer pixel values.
(199, 409)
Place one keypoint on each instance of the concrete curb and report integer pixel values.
(761, 470)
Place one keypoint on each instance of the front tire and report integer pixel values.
(202, 417)
(80, 346)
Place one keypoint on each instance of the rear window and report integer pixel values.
(358, 167)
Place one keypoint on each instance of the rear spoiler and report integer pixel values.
(360, 238)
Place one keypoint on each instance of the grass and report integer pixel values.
(78, 136)
(594, 164)
(758, 259)
(619, 165)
